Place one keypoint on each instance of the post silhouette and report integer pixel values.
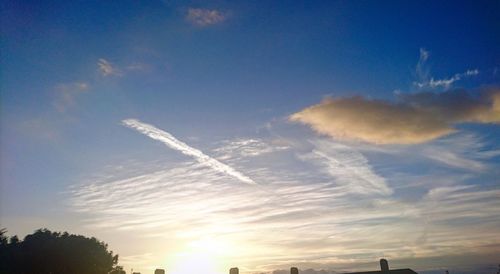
(294, 270)
(384, 266)
(234, 270)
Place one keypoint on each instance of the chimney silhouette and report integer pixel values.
(234, 270)
(294, 270)
(384, 266)
(160, 271)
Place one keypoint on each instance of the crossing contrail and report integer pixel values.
(172, 142)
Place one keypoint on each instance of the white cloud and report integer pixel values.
(465, 151)
(205, 17)
(320, 209)
(348, 167)
(174, 143)
(447, 83)
(314, 221)
(248, 148)
(421, 70)
(422, 73)
(107, 69)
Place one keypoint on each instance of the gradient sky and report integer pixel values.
(258, 134)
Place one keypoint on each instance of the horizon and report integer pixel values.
(261, 135)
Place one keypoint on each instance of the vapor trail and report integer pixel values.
(169, 140)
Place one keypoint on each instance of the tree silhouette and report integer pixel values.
(47, 252)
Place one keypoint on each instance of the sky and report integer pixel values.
(196, 135)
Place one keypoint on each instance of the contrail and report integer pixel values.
(169, 140)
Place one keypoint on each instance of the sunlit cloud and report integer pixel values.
(205, 17)
(174, 143)
(317, 209)
(414, 118)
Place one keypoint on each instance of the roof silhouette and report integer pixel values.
(384, 269)
(392, 271)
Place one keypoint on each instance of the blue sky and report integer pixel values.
(350, 118)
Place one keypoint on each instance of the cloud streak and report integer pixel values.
(348, 167)
(319, 205)
(298, 216)
(414, 118)
(447, 83)
(251, 147)
(422, 73)
(107, 69)
(205, 17)
(174, 143)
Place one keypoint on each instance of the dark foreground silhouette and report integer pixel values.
(46, 252)
(384, 269)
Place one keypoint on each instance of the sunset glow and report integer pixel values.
(200, 136)
(203, 256)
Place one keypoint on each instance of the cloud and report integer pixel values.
(205, 17)
(174, 143)
(464, 151)
(66, 94)
(251, 147)
(422, 73)
(414, 118)
(348, 167)
(137, 67)
(107, 69)
(446, 83)
(294, 218)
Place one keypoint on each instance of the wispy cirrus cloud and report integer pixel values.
(425, 80)
(447, 82)
(174, 143)
(421, 70)
(414, 118)
(464, 151)
(319, 203)
(301, 216)
(251, 147)
(205, 17)
(107, 68)
(348, 167)
(67, 93)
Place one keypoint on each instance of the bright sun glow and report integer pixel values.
(202, 256)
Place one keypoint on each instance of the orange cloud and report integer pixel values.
(414, 118)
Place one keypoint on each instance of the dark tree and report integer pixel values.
(46, 252)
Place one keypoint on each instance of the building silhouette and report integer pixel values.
(384, 269)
